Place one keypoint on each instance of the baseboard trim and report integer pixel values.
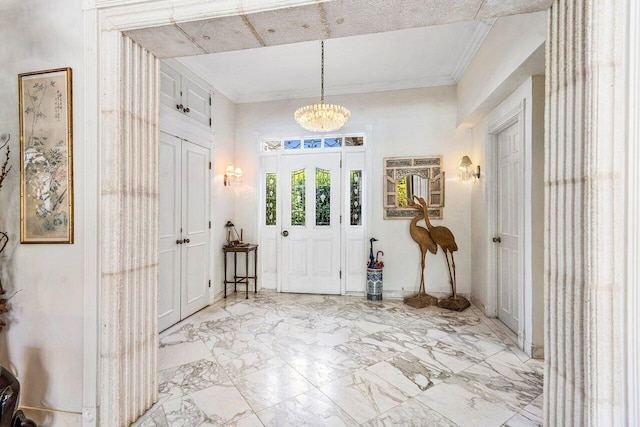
(52, 417)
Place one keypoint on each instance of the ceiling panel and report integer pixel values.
(222, 34)
(495, 8)
(416, 57)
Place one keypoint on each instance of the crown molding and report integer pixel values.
(480, 33)
(346, 89)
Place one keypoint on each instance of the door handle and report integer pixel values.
(497, 239)
(178, 242)
(187, 110)
(179, 106)
(187, 241)
(285, 233)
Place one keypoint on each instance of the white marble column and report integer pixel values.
(585, 180)
(129, 231)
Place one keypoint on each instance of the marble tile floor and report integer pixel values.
(297, 360)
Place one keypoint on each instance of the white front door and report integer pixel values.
(311, 223)
(509, 177)
(195, 225)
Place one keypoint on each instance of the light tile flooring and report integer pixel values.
(294, 360)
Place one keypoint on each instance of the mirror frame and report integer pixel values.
(428, 167)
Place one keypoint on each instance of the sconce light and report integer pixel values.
(466, 171)
(232, 176)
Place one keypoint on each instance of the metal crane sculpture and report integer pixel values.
(445, 239)
(422, 237)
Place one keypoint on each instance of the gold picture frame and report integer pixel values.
(46, 156)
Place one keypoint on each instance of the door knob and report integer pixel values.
(179, 106)
(285, 233)
(178, 242)
(187, 110)
(497, 239)
(187, 241)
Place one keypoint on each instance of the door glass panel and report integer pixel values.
(292, 144)
(312, 143)
(323, 197)
(298, 187)
(272, 146)
(332, 142)
(353, 141)
(355, 196)
(270, 208)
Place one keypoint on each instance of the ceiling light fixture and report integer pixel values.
(322, 117)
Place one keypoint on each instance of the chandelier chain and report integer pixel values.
(322, 74)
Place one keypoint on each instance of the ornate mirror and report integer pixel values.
(405, 177)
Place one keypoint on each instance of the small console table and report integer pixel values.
(241, 279)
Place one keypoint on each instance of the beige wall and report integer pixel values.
(43, 343)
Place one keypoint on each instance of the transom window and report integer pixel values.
(312, 143)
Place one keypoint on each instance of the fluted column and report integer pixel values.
(129, 231)
(585, 214)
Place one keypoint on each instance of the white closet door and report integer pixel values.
(195, 224)
(170, 220)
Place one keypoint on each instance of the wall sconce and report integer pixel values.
(466, 171)
(232, 176)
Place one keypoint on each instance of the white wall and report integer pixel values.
(43, 343)
(512, 51)
(222, 198)
(415, 122)
(532, 93)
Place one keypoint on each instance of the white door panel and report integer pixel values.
(169, 232)
(195, 214)
(508, 228)
(170, 87)
(311, 217)
(196, 99)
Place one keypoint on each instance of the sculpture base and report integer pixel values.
(456, 304)
(421, 300)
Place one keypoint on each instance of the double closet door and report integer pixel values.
(183, 285)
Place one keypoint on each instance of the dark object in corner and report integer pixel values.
(9, 398)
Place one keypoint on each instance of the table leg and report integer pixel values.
(235, 271)
(255, 272)
(225, 274)
(246, 274)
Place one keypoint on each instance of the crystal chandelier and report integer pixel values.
(322, 117)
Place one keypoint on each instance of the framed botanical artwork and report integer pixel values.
(46, 151)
